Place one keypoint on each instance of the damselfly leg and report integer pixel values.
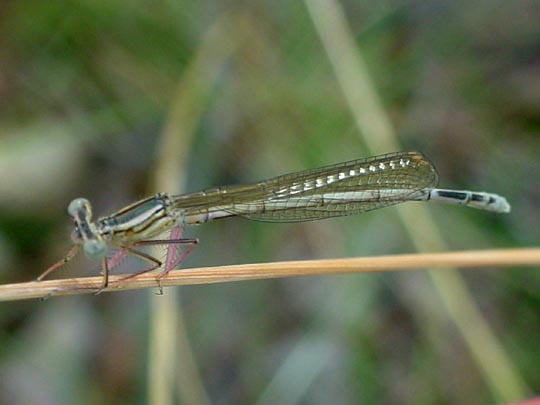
(70, 255)
(173, 258)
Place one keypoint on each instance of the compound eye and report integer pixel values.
(78, 205)
(95, 249)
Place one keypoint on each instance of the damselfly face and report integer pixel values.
(85, 232)
(76, 236)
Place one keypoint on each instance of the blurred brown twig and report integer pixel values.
(244, 272)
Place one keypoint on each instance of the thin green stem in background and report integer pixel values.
(172, 367)
(377, 132)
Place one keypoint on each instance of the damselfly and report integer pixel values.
(342, 189)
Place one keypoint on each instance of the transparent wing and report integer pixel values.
(337, 190)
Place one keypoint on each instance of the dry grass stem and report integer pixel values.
(243, 272)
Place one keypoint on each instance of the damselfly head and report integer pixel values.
(85, 232)
(80, 211)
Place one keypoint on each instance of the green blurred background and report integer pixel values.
(89, 88)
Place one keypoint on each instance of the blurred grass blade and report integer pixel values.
(373, 123)
(172, 366)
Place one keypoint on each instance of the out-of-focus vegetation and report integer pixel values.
(85, 91)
